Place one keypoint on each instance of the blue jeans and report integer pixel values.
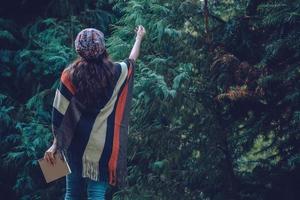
(75, 185)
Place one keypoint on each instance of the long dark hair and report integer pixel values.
(92, 78)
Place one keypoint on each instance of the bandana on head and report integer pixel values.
(89, 43)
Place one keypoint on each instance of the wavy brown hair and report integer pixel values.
(92, 78)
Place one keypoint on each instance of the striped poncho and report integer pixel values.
(97, 138)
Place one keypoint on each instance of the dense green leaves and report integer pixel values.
(215, 112)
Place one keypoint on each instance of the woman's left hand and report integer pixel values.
(49, 155)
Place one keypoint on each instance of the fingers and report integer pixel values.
(140, 32)
(49, 157)
(46, 156)
(52, 159)
(139, 28)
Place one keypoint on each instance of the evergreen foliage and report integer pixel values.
(216, 111)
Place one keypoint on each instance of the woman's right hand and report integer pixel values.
(50, 153)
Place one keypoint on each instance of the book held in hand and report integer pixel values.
(54, 172)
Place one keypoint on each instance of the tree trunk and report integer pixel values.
(206, 23)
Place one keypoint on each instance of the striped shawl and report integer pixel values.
(97, 139)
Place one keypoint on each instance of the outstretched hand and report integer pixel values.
(140, 31)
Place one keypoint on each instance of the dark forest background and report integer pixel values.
(216, 108)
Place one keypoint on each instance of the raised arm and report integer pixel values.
(140, 32)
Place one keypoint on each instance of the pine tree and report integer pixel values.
(215, 113)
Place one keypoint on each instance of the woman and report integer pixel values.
(90, 116)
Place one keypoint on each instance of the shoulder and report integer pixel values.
(66, 79)
(127, 65)
(130, 63)
(68, 71)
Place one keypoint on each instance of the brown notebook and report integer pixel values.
(60, 169)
